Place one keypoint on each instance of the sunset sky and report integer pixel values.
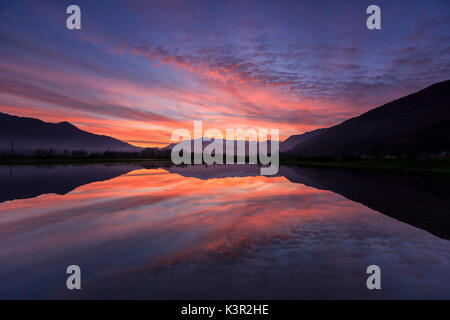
(137, 70)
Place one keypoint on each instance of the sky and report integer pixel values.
(137, 70)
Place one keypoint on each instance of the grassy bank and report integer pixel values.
(400, 166)
(31, 160)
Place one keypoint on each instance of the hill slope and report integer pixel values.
(29, 135)
(417, 125)
(294, 140)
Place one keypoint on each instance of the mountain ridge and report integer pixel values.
(25, 135)
(412, 126)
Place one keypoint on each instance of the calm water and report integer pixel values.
(221, 232)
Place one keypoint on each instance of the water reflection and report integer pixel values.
(25, 181)
(219, 232)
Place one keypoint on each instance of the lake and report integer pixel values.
(221, 232)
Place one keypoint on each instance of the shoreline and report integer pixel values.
(43, 161)
(400, 166)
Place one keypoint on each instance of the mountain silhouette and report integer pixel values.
(26, 135)
(294, 140)
(415, 126)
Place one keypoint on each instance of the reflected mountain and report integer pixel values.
(420, 201)
(23, 182)
(205, 172)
